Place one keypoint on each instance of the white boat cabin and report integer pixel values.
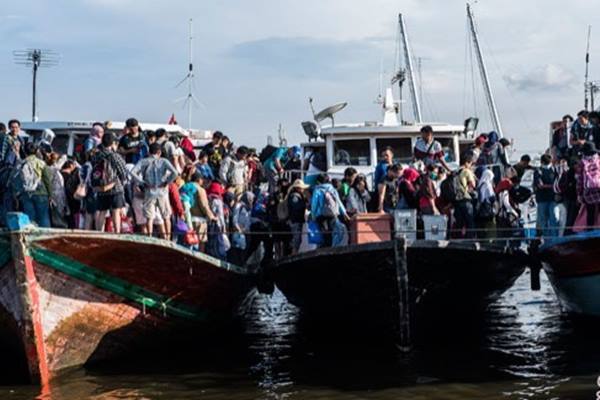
(70, 135)
(360, 145)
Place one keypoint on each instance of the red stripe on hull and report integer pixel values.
(573, 259)
(38, 329)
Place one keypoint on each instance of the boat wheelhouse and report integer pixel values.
(359, 145)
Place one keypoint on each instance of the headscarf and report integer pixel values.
(248, 199)
(411, 174)
(504, 184)
(485, 186)
(492, 139)
(96, 134)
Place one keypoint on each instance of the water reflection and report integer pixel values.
(524, 349)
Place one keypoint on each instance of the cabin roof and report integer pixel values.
(373, 129)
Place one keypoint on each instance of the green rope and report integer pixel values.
(115, 285)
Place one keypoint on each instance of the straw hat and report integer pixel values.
(299, 184)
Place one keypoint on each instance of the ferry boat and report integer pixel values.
(359, 285)
(571, 264)
(72, 298)
(70, 135)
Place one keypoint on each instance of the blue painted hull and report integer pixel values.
(572, 264)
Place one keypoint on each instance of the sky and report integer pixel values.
(257, 62)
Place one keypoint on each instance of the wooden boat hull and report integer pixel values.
(357, 286)
(572, 264)
(73, 298)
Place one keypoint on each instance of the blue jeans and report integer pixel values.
(465, 218)
(546, 219)
(37, 208)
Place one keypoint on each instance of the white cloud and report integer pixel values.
(549, 77)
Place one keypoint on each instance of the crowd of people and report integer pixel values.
(227, 200)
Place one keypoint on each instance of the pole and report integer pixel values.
(484, 75)
(587, 70)
(411, 75)
(190, 80)
(33, 107)
(401, 265)
(36, 57)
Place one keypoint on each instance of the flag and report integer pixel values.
(172, 120)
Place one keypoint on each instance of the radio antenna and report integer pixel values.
(190, 99)
(36, 59)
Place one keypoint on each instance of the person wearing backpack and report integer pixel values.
(35, 185)
(233, 171)
(106, 179)
(315, 163)
(588, 183)
(388, 190)
(273, 166)
(543, 184)
(326, 207)
(296, 210)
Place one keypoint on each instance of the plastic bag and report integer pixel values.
(180, 227)
(315, 236)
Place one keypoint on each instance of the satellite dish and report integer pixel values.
(329, 112)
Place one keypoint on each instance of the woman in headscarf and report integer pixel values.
(408, 189)
(241, 221)
(59, 207)
(485, 210)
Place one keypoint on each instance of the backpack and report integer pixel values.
(266, 153)
(319, 160)
(520, 194)
(283, 211)
(30, 180)
(485, 210)
(448, 189)
(102, 178)
(591, 172)
(330, 206)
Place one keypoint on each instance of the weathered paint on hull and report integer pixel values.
(70, 303)
(357, 285)
(572, 264)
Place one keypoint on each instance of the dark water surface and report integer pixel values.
(524, 350)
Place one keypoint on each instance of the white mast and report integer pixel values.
(190, 99)
(410, 70)
(484, 75)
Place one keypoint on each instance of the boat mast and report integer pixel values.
(410, 70)
(484, 75)
(587, 70)
(191, 79)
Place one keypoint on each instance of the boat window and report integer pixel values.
(402, 148)
(448, 146)
(352, 152)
